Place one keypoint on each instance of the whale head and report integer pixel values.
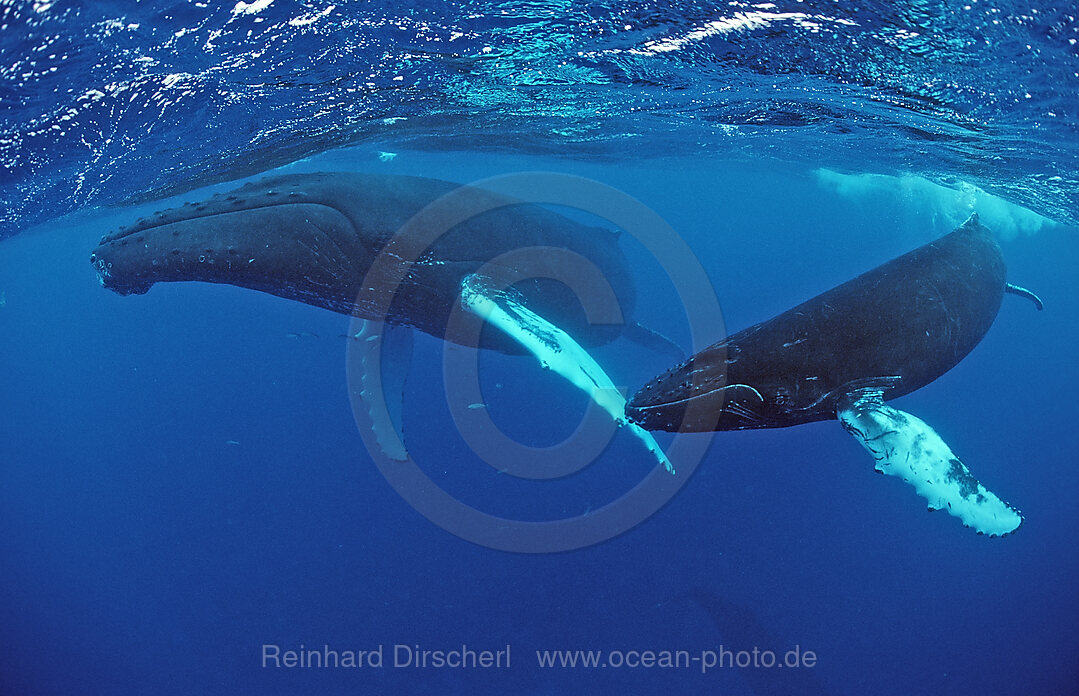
(709, 392)
(276, 240)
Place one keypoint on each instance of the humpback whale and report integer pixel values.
(842, 354)
(403, 251)
(314, 238)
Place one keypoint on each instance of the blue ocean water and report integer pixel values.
(181, 479)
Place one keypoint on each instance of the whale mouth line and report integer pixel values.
(686, 399)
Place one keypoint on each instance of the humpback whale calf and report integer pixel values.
(886, 333)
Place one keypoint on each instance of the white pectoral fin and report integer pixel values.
(905, 446)
(555, 350)
(382, 390)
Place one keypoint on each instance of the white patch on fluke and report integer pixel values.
(905, 446)
(555, 350)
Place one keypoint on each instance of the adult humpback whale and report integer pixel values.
(841, 354)
(404, 251)
(314, 238)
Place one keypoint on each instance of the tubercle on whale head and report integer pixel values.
(286, 248)
(261, 194)
(661, 403)
(105, 276)
(725, 388)
(700, 395)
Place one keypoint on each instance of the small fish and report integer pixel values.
(386, 156)
(232, 442)
(475, 406)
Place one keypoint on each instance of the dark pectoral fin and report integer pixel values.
(654, 341)
(381, 398)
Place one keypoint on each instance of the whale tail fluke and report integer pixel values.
(905, 446)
